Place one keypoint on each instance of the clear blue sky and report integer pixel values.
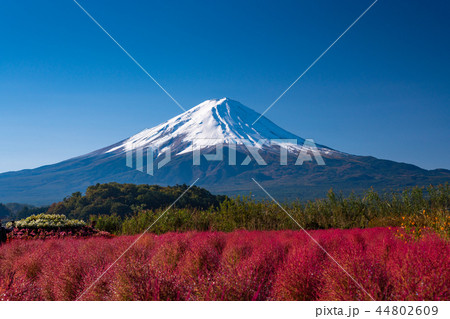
(383, 90)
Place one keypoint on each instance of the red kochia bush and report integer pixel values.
(42, 233)
(242, 265)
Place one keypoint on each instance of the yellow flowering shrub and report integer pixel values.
(415, 226)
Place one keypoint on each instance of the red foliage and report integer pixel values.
(41, 233)
(278, 265)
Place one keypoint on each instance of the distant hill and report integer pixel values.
(124, 199)
(14, 211)
(4, 211)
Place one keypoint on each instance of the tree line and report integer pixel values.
(427, 207)
(130, 209)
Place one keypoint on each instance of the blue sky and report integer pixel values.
(383, 90)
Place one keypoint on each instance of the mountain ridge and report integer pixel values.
(202, 128)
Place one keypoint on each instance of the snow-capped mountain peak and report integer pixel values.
(211, 122)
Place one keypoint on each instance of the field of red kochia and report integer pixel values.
(241, 265)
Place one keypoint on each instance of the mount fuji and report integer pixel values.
(211, 123)
(230, 152)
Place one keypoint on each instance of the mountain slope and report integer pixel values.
(202, 129)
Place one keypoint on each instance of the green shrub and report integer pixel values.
(110, 223)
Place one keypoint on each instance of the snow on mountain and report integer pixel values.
(216, 121)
